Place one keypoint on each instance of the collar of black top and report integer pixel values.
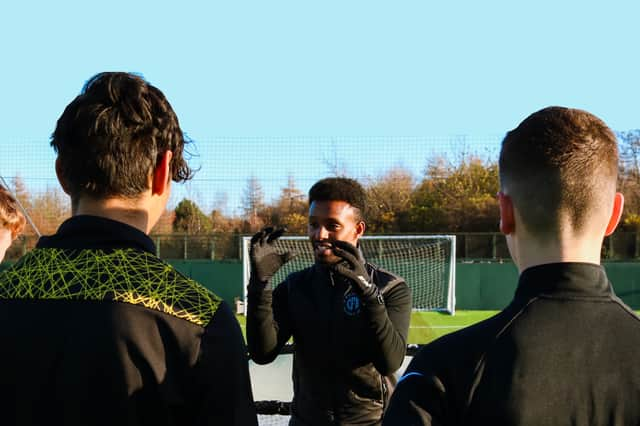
(564, 279)
(94, 232)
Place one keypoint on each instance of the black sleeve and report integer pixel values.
(222, 372)
(389, 324)
(419, 397)
(268, 323)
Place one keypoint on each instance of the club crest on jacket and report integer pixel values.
(351, 304)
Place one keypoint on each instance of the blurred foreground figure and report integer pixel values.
(565, 351)
(95, 329)
(12, 221)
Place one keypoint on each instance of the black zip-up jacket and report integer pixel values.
(96, 330)
(343, 347)
(566, 351)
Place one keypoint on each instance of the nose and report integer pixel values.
(321, 233)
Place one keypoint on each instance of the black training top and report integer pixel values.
(343, 346)
(564, 352)
(96, 330)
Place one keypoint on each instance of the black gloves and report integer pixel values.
(265, 259)
(353, 268)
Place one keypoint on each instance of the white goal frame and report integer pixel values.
(451, 290)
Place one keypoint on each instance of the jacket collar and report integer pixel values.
(94, 232)
(564, 280)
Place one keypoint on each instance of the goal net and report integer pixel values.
(426, 262)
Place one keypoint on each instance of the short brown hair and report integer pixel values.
(557, 163)
(112, 135)
(10, 215)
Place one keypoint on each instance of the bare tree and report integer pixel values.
(50, 209)
(253, 204)
(629, 177)
(335, 166)
(290, 210)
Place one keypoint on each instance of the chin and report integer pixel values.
(327, 260)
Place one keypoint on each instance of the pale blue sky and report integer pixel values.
(322, 69)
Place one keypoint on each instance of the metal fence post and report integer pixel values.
(185, 253)
(494, 251)
(611, 252)
(465, 245)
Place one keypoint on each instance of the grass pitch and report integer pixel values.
(428, 326)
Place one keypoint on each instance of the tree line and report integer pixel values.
(450, 196)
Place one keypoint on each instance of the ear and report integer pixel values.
(507, 221)
(360, 227)
(618, 205)
(162, 174)
(60, 176)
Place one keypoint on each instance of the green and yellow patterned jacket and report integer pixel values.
(95, 329)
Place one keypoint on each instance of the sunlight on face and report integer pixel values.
(331, 221)
(5, 241)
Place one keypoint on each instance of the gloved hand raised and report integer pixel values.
(353, 267)
(264, 258)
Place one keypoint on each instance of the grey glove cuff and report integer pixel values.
(256, 284)
(372, 295)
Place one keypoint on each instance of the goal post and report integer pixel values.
(426, 262)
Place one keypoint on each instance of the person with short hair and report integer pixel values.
(12, 221)
(96, 329)
(349, 319)
(565, 350)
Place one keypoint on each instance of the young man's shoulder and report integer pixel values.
(385, 279)
(123, 275)
(195, 302)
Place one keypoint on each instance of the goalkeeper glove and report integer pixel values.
(353, 267)
(265, 260)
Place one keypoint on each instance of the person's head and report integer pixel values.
(558, 173)
(336, 206)
(114, 137)
(12, 221)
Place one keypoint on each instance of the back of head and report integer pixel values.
(11, 217)
(340, 189)
(559, 166)
(112, 135)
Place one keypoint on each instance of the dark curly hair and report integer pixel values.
(340, 189)
(112, 135)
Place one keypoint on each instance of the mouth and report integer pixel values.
(323, 248)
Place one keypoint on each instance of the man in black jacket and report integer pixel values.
(349, 319)
(565, 351)
(95, 329)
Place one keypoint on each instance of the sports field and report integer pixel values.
(427, 326)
